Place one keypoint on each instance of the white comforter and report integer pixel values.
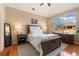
(36, 40)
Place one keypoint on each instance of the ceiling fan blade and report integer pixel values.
(49, 4)
(41, 4)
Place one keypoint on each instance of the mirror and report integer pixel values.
(7, 30)
(7, 34)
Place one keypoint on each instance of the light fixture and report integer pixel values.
(18, 28)
(33, 9)
(49, 4)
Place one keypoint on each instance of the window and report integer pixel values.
(65, 23)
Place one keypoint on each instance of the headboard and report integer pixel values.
(28, 27)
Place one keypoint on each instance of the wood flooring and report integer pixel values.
(71, 50)
(9, 51)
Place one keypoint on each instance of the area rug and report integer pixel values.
(27, 50)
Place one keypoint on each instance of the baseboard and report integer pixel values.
(14, 43)
(76, 43)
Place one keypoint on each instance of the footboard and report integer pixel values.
(51, 45)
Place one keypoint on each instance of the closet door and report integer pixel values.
(7, 35)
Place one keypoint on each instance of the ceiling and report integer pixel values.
(44, 10)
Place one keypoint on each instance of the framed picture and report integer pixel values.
(33, 21)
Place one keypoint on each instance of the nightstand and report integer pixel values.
(21, 38)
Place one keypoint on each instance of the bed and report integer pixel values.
(43, 43)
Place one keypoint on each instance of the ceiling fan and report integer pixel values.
(49, 4)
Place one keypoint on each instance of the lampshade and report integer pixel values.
(18, 29)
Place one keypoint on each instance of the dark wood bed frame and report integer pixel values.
(47, 46)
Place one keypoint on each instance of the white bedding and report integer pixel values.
(36, 40)
(47, 37)
(36, 36)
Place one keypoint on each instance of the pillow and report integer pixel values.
(36, 32)
(35, 28)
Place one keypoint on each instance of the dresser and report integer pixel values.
(67, 38)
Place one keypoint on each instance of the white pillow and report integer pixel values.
(35, 28)
(36, 32)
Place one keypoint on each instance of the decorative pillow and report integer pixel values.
(36, 31)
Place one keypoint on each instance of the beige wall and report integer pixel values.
(18, 17)
(2, 18)
(51, 27)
